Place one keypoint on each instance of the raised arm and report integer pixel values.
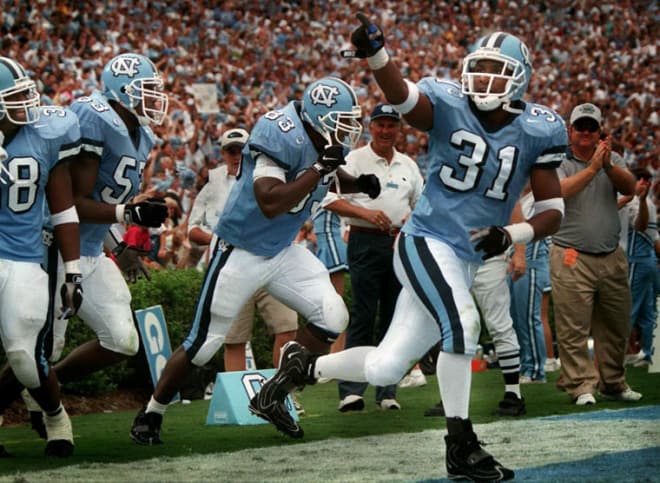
(404, 95)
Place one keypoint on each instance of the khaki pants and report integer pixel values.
(277, 317)
(591, 295)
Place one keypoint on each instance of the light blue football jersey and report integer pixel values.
(641, 244)
(475, 176)
(106, 138)
(34, 151)
(281, 136)
(326, 221)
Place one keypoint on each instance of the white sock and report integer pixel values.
(514, 388)
(156, 407)
(454, 378)
(347, 364)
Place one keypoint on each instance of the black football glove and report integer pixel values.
(71, 293)
(151, 213)
(367, 38)
(369, 184)
(329, 160)
(493, 240)
(130, 263)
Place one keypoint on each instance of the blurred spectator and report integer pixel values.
(172, 234)
(330, 231)
(600, 52)
(306, 236)
(526, 303)
(643, 266)
(212, 197)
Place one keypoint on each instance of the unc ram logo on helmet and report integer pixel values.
(125, 65)
(331, 106)
(133, 80)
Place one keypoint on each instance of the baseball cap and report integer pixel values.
(586, 110)
(234, 137)
(384, 110)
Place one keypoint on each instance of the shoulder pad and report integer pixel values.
(56, 121)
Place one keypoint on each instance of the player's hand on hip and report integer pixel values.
(71, 292)
(492, 241)
(129, 260)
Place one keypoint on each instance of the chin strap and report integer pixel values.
(509, 108)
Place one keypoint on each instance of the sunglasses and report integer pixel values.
(233, 150)
(588, 125)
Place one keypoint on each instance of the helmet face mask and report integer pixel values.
(330, 106)
(134, 82)
(148, 100)
(497, 72)
(19, 98)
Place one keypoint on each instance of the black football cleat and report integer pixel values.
(146, 428)
(435, 411)
(295, 371)
(275, 412)
(466, 459)
(59, 448)
(511, 405)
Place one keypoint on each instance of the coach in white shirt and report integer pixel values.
(374, 224)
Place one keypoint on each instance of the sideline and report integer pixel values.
(598, 446)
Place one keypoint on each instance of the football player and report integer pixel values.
(36, 145)
(116, 142)
(484, 144)
(288, 163)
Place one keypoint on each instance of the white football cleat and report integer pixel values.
(414, 378)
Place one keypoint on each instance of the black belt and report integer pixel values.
(583, 252)
(394, 231)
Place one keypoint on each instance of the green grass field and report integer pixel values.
(103, 438)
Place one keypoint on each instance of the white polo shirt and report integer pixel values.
(211, 200)
(401, 184)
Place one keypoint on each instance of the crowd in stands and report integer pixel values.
(260, 54)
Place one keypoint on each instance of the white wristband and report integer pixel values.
(119, 213)
(72, 266)
(70, 215)
(409, 104)
(378, 60)
(520, 232)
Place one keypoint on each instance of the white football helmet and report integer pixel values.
(20, 109)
